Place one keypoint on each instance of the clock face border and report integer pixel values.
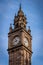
(16, 40)
(26, 41)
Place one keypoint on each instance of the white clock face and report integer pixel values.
(25, 41)
(16, 40)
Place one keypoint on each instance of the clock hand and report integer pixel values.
(15, 40)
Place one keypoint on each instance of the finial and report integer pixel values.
(15, 14)
(20, 6)
(10, 25)
(29, 30)
(29, 27)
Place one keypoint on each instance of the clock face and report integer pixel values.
(22, 25)
(25, 41)
(16, 40)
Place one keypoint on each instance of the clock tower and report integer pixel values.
(19, 41)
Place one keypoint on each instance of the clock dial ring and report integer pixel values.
(26, 41)
(16, 40)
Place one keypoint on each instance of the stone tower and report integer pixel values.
(19, 41)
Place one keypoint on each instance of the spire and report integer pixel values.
(20, 12)
(20, 6)
(20, 19)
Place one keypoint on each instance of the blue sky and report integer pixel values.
(33, 9)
